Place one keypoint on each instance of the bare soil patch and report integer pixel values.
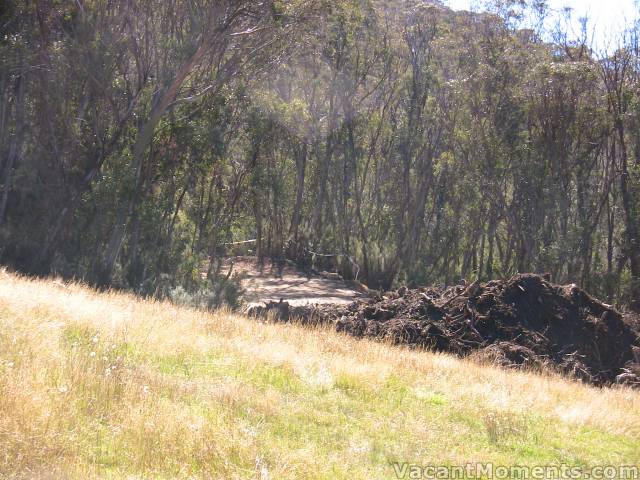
(272, 282)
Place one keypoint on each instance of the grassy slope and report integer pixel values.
(108, 385)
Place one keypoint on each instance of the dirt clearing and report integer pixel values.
(273, 282)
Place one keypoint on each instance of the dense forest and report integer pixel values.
(411, 144)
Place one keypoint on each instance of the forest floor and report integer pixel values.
(272, 282)
(108, 385)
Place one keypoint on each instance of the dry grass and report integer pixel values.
(108, 385)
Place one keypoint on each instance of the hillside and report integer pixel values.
(106, 384)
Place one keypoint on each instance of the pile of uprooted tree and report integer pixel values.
(523, 322)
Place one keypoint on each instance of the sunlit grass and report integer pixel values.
(105, 384)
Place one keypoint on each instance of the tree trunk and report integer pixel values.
(301, 166)
(631, 228)
(15, 147)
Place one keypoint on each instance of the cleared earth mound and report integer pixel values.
(525, 321)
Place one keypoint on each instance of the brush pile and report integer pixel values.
(525, 321)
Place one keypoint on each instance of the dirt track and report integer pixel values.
(292, 285)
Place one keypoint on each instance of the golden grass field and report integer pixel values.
(108, 385)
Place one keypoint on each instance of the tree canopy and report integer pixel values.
(417, 145)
